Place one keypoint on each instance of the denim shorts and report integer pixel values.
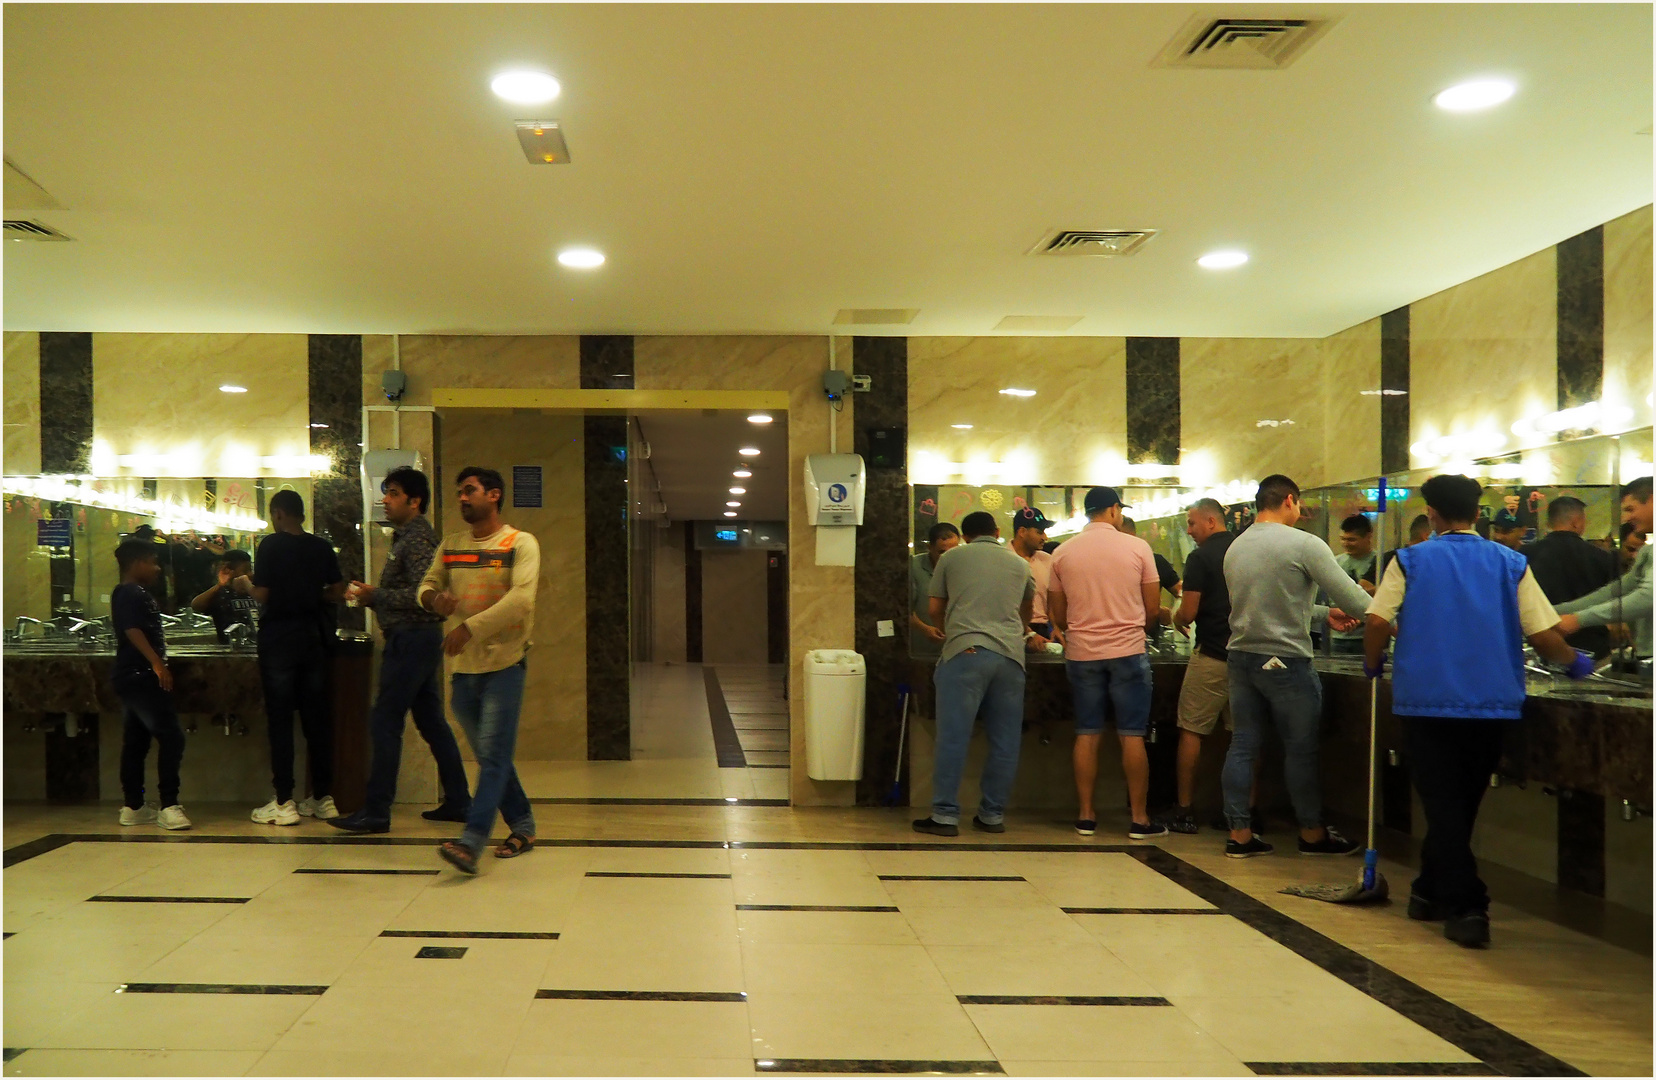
(1120, 687)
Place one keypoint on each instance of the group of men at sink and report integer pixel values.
(1252, 599)
(469, 597)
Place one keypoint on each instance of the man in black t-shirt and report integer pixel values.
(230, 599)
(143, 682)
(296, 578)
(1568, 567)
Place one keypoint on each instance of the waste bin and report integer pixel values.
(834, 711)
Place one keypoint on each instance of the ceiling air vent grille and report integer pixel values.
(1100, 243)
(31, 230)
(1250, 44)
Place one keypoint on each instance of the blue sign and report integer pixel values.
(728, 535)
(837, 493)
(55, 532)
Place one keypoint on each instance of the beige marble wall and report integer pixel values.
(22, 403)
(1627, 313)
(430, 362)
(1484, 353)
(1350, 362)
(734, 626)
(668, 644)
(1227, 385)
(1076, 420)
(822, 605)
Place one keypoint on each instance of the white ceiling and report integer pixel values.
(751, 168)
(692, 456)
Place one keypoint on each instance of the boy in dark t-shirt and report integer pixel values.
(143, 682)
(230, 599)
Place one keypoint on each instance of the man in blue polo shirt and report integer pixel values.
(1458, 691)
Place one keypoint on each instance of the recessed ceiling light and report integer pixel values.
(525, 87)
(581, 258)
(759, 418)
(733, 503)
(1013, 391)
(961, 427)
(730, 513)
(738, 491)
(1474, 95)
(232, 388)
(742, 474)
(749, 451)
(1222, 260)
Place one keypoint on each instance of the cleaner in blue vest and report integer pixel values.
(1458, 686)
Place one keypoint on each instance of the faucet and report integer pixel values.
(25, 620)
(238, 635)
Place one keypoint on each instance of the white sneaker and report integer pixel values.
(275, 813)
(322, 808)
(172, 817)
(144, 815)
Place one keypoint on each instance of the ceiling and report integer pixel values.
(753, 169)
(692, 455)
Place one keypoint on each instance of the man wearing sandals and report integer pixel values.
(482, 581)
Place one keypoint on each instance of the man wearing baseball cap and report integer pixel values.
(1029, 529)
(1507, 530)
(1103, 596)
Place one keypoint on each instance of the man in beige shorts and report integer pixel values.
(1205, 695)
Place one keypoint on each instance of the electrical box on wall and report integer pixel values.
(376, 465)
(834, 491)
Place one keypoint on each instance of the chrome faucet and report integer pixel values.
(238, 635)
(25, 620)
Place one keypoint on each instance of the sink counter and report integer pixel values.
(54, 679)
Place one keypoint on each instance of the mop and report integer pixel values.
(1372, 884)
(897, 779)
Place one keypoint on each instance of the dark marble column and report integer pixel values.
(65, 403)
(1153, 422)
(1581, 841)
(607, 364)
(882, 556)
(336, 498)
(776, 608)
(1581, 318)
(692, 596)
(1394, 375)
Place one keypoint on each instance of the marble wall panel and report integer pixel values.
(335, 430)
(668, 643)
(1229, 385)
(68, 406)
(608, 613)
(22, 403)
(1076, 421)
(1627, 313)
(1483, 354)
(1153, 400)
(694, 639)
(1350, 362)
(1394, 375)
(1581, 318)
(733, 607)
(432, 361)
(606, 362)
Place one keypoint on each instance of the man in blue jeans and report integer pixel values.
(982, 595)
(411, 668)
(1273, 571)
(483, 580)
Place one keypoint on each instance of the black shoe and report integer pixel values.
(1424, 910)
(1255, 846)
(1470, 930)
(359, 823)
(1141, 830)
(983, 826)
(447, 812)
(936, 828)
(1331, 844)
(1181, 820)
(1086, 826)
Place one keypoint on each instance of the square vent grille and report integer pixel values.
(31, 230)
(542, 141)
(1246, 44)
(1100, 243)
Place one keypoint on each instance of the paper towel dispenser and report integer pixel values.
(834, 488)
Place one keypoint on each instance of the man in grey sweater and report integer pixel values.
(1273, 571)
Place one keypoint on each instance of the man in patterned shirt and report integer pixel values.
(411, 666)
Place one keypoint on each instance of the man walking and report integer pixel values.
(981, 595)
(412, 665)
(1105, 596)
(483, 581)
(1568, 567)
(1458, 691)
(1273, 571)
(296, 578)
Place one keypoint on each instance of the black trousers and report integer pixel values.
(410, 681)
(295, 678)
(149, 713)
(1450, 762)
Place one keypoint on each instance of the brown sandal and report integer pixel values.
(458, 856)
(514, 845)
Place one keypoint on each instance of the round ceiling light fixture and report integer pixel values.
(1475, 94)
(738, 491)
(525, 87)
(1222, 260)
(232, 388)
(581, 258)
(749, 451)
(759, 418)
(742, 474)
(730, 513)
(733, 503)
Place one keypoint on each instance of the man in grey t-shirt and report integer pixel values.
(982, 595)
(925, 638)
(1273, 571)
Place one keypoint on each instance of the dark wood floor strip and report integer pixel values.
(726, 746)
(167, 899)
(949, 877)
(1142, 911)
(220, 988)
(1056, 999)
(875, 1065)
(641, 995)
(1371, 1068)
(815, 907)
(506, 935)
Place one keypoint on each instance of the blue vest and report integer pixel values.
(1460, 645)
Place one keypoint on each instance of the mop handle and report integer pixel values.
(1374, 729)
(902, 729)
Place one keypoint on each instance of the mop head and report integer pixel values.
(1357, 892)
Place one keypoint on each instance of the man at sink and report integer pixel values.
(230, 599)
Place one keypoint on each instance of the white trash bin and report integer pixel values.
(835, 688)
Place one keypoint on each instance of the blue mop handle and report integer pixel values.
(1371, 862)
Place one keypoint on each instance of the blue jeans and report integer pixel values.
(1290, 699)
(1124, 682)
(487, 707)
(410, 670)
(977, 682)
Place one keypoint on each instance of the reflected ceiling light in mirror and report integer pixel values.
(1222, 260)
(1460, 448)
(759, 418)
(733, 503)
(1475, 94)
(1013, 391)
(961, 427)
(742, 474)
(581, 258)
(730, 513)
(1384, 393)
(749, 451)
(738, 491)
(525, 87)
(232, 388)
(1592, 416)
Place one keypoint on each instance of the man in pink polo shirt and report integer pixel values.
(1103, 595)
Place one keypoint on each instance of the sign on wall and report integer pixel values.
(526, 486)
(55, 532)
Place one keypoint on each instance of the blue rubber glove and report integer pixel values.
(1581, 666)
(1376, 671)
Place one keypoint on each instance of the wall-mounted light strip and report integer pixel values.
(1593, 416)
(170, 517)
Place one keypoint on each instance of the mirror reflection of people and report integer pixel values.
(1167, 577)
(926, 640)
(1506, 529)
(1029, 528)
(1631, 541)
(1627, 599)
(157, 586)
(1568, 567)
(1420, 531)
(229, 600)
(1357, 559)
(144, 684)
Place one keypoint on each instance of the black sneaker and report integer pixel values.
(1182, 820)
(447, 812)
(359, 824)
(1424, 910)
(1254, 846)
(1086, 826)
(1470, 930)
(1331, 844)
(983, 826)
(936, 828)
(1145, 831)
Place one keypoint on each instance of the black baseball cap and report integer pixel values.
(1030, 518)
(1102, 498)
(1506, 521)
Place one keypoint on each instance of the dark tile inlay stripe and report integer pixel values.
(649, 874)
(1581, 318)
(363, 870)
(441, 952)
(1142, 911)
(1153, 400)
(662, 802)
(167, 899)
(65, 402)
(753, 765)
(1370, 1068)
(1499, 1049)
(641, 995)
(1060, 999)
(14, 1052)
(692, 596)
(501, 934)
(608, 616)
(727, 746)
(219, 988)
(8, 934)
(949, 877)
(814, 907)
(866, 1065)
